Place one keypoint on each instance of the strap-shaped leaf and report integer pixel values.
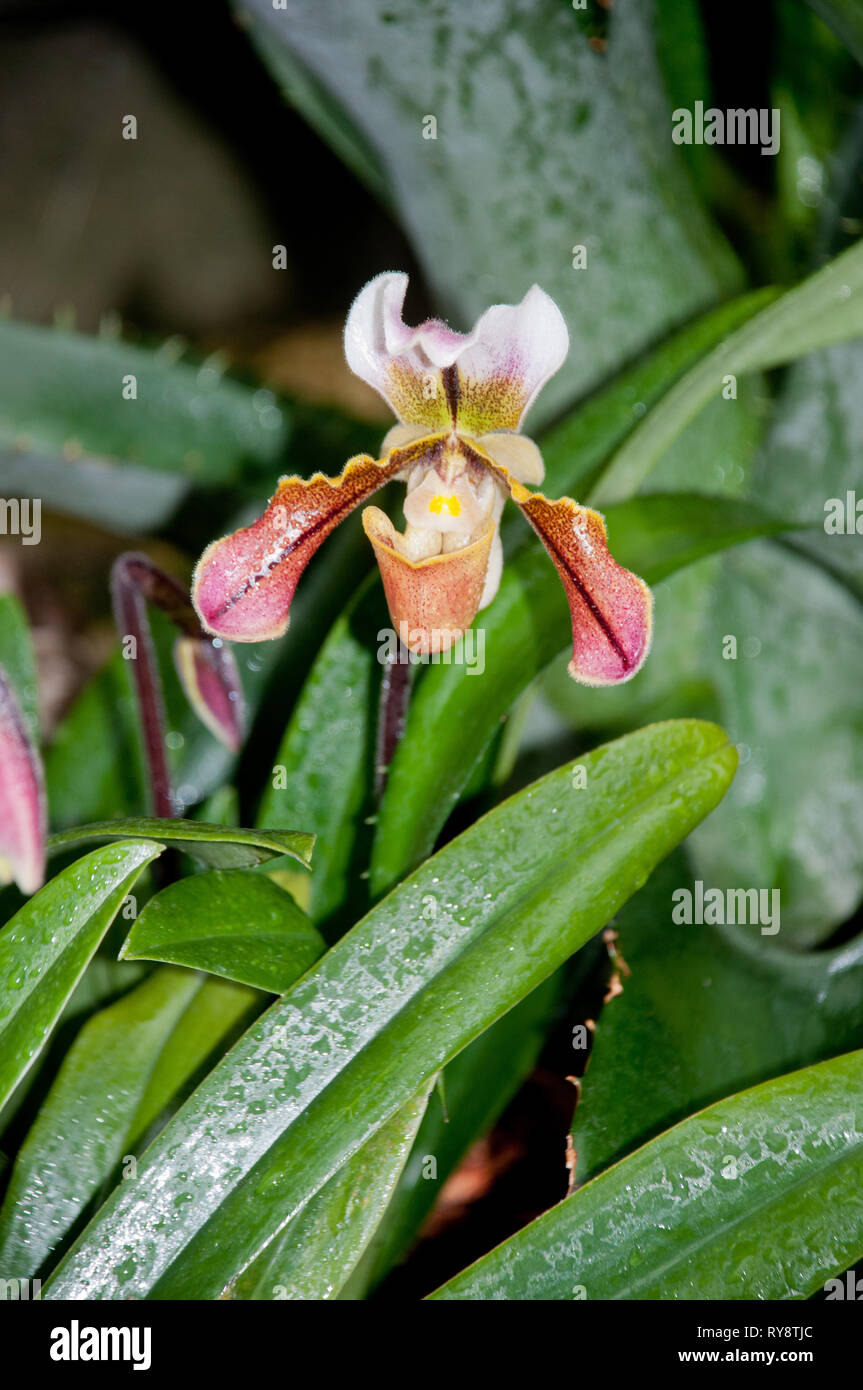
(826, 308)
(755, 1197)
(226, 847)
(314, 1255)
(427, 970)
(122, 1069)
(46, 946)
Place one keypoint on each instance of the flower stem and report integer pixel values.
(130, 615)
(394, 699)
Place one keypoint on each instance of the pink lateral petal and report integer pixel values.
(22, 796)
(611, 608)
(243, 584)
(211, 682)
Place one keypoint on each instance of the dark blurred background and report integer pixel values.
(173, 231)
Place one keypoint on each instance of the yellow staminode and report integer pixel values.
(452, 504)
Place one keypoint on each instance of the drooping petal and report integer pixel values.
(432, 602)
(430, 375)
(611, 608)
(22, 798)
(210, 680)
(243, 584)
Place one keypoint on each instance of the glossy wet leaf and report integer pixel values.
(525, 628)
(46, 946)
(426, 971)
(315, 1254)
(825, 309)
(221, 846)
(756, 1197)
(120, 1072)
(323, 771)
(705, 1012)
(478, 1085)
(231, 923)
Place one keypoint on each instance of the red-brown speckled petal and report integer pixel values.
(612, 609)
(243, 584)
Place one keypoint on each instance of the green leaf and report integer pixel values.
(68, 436)
(815, 452)
(478, 1084)
(791, 702)
(845, 19)
(231, 923)
(705, 1012)
(323, 772)
(312, 1258)
(826, 308)
(527, 625)
(120, 1072)
(45, 948)
(574, 449)
(517, 173)
(425, 972)
(222, 846)
(757, 1197)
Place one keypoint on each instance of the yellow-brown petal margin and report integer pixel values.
(432, 602)
(243, 584)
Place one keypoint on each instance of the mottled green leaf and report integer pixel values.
(514, 173)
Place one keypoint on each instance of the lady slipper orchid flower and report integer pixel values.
(460, 400)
